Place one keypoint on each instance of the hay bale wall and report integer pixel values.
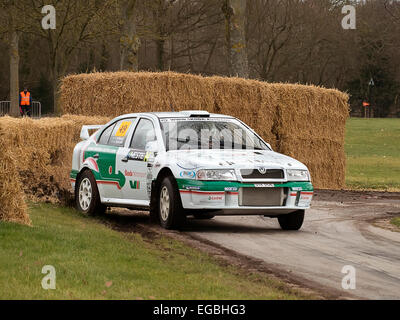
(12, 200)
(305, 122)
(42, 152)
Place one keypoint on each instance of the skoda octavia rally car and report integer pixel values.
(187, 163)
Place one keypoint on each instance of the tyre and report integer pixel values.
(87, 196)
(170, 212)
(292, 221)
(204, 216)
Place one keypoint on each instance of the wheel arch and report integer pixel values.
(164, 172)
(80, 173)
(155, 185)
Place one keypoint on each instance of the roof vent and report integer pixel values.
(197, 114)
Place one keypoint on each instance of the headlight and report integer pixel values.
(298, 175)
(216, 175)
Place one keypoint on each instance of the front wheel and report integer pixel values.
(170, 211)
(293, 221)
(87, 195)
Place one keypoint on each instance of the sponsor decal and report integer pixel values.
(264, 185)
(135, 174)
(139, 155)
(297, 189)
(188, 174)
(146, 157)
(135, 185)
(196, 120)
(215, 198)
(231, 189)
(305, 199)
(136, 155)
(123, 129)
(191, 188)
(149, 179)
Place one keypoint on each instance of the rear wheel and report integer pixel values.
(87, 195)
(170, 212)
(293, 221)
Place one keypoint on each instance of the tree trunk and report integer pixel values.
(160, 54)
(235, 18)
(55, 83)
(129, 40)
(56, 108)
(14, 73)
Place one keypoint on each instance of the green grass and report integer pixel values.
(87, 255)
(396, 222)
(373, 154)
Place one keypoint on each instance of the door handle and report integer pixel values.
(96, 156)
(125, 159)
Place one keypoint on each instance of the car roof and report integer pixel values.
(183, 114)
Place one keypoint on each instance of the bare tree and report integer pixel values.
(9, 16)
(78, 23)
(129, 38)
(235, 17)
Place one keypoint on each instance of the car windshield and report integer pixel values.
(208, 133)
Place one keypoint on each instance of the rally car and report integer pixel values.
(190, 163)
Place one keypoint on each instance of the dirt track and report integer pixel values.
(339, 230)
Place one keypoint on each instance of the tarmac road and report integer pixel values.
(339, 230)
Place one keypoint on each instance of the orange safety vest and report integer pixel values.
(25, 98)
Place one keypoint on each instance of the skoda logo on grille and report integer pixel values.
(262, 170)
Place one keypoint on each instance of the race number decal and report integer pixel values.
(123, 129)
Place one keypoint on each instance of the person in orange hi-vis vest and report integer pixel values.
(25, 102)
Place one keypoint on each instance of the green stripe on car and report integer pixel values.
(187, 184)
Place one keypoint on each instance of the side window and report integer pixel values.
(120, 132)
(106, 134)
(144, 134)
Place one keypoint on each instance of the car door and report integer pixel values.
(135, 164)
(110, 179)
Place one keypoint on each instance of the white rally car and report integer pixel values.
(187, 163)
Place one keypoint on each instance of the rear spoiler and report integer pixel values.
(85, 131)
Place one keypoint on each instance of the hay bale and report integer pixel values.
(12, 201)
(306, 122)
(42, 150)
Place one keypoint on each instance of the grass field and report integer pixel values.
(373, 154)
(94, 262)
(396, 222)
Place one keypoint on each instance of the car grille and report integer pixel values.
(262, 197)
(256, 174)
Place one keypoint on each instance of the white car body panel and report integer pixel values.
(129, 183)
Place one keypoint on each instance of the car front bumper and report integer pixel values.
(231, 198)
